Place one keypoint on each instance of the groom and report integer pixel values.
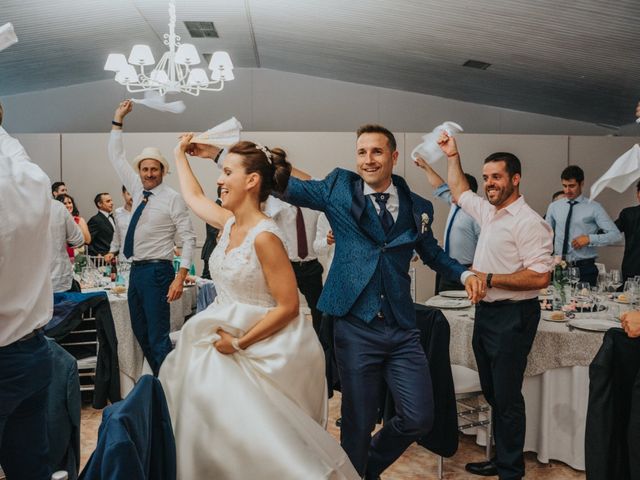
(377, 223)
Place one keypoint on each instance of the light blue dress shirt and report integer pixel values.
(464, 231)
(587, 218)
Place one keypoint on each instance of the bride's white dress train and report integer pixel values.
(257, 414)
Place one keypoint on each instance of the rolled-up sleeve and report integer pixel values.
(128, 176)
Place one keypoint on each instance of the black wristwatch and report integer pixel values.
(489, 277)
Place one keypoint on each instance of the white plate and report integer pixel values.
(454, 294)
(440, 302)
(546, 315)
(593, 324)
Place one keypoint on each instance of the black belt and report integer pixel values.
(30, 335)
(586, 261)
(499, 303)
(137, 263)
(303, 262)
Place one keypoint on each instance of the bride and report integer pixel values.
(245, 385)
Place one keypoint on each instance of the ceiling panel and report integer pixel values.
(573, 59)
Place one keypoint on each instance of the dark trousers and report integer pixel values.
(369, 355)
(502, 337)
(25, 374)
(588, 271)
(309, 278)
(149, 310)
(443, 284)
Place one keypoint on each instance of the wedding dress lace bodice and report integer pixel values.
(237, 274)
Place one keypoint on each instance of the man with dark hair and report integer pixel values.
(26, 305)
(58, 188)
(461, 232)
(513, 257)
(101, 225)
(557, 195)
(629, 224)
(378, 223)
(580, 225)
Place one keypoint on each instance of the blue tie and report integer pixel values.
(385, 216)
(128, 240)
(449, 227)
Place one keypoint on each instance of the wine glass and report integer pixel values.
(616, 279)
(574, 276)
(583, 296)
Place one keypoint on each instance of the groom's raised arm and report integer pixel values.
(308, 193)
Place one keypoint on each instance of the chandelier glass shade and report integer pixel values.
(175, 72)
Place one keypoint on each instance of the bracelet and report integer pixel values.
(489, 277)
(235, 343)
(117, 124)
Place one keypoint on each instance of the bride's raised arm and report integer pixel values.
(192, 192)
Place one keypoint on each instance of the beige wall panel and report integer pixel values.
(595, 155)
(44, 149)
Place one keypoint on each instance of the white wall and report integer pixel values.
(269, 100)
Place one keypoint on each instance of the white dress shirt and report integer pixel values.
(511, 239)
(64, 230)
(122, 217)
(165, 216)
(393, 202)
(26, 298)
(285, 216)
(320, 244)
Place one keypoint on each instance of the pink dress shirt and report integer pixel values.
(511, 239)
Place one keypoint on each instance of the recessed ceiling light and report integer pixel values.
(476, 64)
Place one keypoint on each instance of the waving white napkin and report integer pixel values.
(429, 148)
(224, 134)
(621, 175)
(155, 101)
(7, 36)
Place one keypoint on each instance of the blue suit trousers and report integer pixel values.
(367, 355)
(150, 313)
(25, 374)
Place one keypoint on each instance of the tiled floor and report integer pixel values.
(416, 463)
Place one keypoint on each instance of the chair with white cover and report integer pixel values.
(466, 383)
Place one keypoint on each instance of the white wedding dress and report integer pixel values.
(257, 414)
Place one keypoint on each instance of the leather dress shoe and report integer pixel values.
(485, 469)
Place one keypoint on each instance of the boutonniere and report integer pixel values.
(425, 222)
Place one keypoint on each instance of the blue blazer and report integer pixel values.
(366, 261)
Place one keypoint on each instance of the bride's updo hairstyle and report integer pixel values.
(270, 164)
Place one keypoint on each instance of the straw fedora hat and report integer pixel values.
(152, 153)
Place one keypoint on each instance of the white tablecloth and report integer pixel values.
(555, 387)
(130, 358)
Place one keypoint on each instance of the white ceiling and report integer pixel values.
(575, 59)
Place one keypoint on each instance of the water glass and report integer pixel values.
(616, 279)
(574, 276)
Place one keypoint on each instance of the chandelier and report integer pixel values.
(174, 72)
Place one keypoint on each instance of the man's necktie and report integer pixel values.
(301, 233)
(128, 240)
(567, 225)
(385, 216)
(449, 227)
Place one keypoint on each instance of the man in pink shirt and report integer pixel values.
(513, 257)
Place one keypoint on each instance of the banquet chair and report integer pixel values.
(466, 383)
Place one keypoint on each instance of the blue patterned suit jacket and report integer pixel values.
(366, 261)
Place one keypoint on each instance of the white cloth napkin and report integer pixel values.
(7, 36)
(224, 134)
(155, 101)
(429, 149)
(621, 175)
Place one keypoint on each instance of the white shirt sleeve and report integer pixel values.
(185, 231)
(117, 156)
